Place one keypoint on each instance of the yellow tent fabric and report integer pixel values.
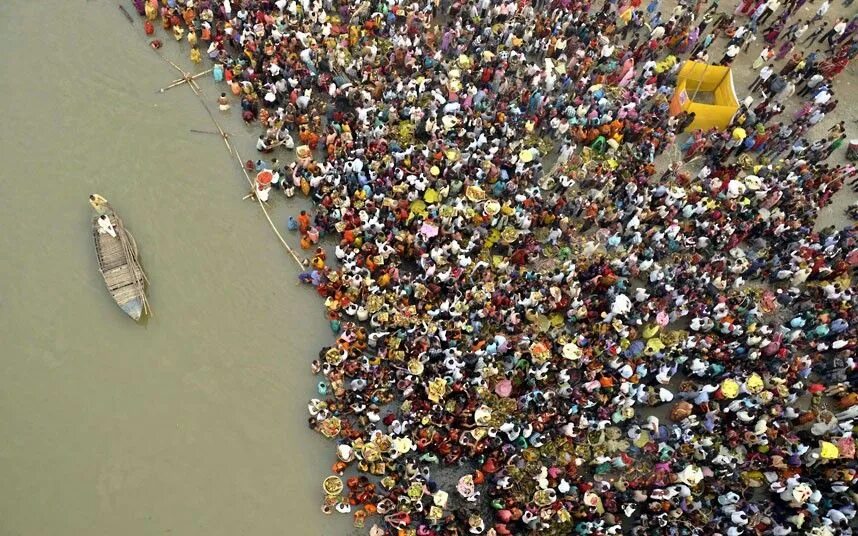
(697, 77)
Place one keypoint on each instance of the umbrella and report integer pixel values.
(752, 182)
(636, 348)
(540, 351)
(816, 388)
(264, 177)
(691, 475)
(418, 206)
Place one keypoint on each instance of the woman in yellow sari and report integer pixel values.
(151, 9)
(354, 35)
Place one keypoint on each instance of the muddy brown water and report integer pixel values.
(195, 422)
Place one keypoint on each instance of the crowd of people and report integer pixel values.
(558, 307)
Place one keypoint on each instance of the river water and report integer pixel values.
(195, 422)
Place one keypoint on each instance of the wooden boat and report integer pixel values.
(116, 252)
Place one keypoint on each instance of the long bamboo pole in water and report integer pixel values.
(199, 93)
(139, 282)
(186, 77)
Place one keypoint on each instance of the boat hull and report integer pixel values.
(116, 254)
(133, 308)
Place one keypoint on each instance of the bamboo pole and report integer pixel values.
(141, 281)
(127, 15)
(199, 93)
(700, 81)
(197, 131)
(181, 81)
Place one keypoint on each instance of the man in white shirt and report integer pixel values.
(835, 33)
(738, 36)
(771, 7)
(765, 73)
(800, 30)
(822, 97)
(823, 9)
(105, 226)
(730, 55)
(811, 84)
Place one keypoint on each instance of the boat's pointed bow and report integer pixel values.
(133, 308)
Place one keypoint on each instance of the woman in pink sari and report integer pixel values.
(743, 6)
(627, 72)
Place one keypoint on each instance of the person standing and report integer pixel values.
(837, 130)
(786, 92)
(796, 30)
(819, 31)
(811, 84)
(730, 55)
(835, 33)
(833, 145)
(822, 95)
(703, 44)
(821, 11)
(765, 55)
(850, 31)
(771, 7)
(795, 63)
(784, 50)
(762, 78)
